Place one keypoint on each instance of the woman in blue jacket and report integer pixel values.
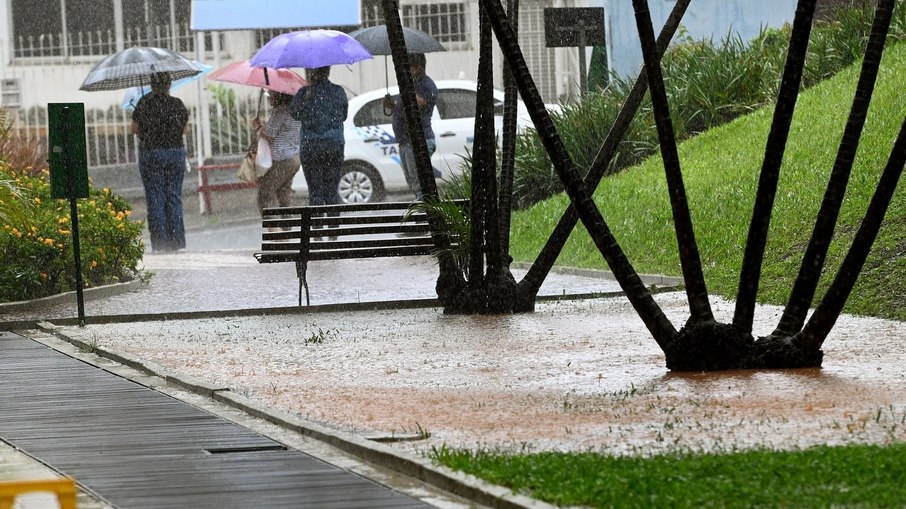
(321, 107)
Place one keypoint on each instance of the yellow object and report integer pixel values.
(64, 489)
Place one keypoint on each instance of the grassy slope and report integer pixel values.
(721, 170)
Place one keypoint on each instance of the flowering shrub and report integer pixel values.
(36, 249)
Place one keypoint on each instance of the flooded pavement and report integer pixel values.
(574, 375)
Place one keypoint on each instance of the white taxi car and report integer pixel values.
(372, 168)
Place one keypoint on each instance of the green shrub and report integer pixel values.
(36, 249)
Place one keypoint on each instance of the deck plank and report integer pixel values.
(138, 448)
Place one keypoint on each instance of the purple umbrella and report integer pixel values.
(310, 49)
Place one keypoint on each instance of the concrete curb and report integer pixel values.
(98, 292)
(445, 479)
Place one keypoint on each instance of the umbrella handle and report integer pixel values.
(260, 96)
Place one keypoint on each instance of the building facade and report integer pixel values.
(47, 47)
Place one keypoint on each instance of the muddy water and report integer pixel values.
(575, 375)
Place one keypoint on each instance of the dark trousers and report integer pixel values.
(162, 171)
(321, 164)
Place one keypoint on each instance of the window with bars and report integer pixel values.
(60, 28)
(448, 22)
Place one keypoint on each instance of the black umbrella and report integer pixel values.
(376, 42)
(133, 67)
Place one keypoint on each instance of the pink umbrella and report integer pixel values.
(280, 80)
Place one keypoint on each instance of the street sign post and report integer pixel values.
(69, 172)
(575, 26)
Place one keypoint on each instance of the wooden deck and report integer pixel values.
(137, 448)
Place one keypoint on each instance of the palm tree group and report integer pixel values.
(702, 343)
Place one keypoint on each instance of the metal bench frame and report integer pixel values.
(341, 232)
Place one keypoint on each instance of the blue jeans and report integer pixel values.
(407, 161)
(162, 171)
(321, 165)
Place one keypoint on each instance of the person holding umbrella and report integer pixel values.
(282, 135)
(160, 121)
(321, 107)
(426, 97)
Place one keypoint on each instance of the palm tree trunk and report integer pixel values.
(528, 287)
(483, 156)
(816, 252)
(508, 145)
(770, 169)
(650, 313)
(450, 282)
(690, 260)
(819, 325)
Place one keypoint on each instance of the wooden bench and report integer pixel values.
(341, 232)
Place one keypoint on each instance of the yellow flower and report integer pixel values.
(63, 232)
(59, 246)
(120, 216)
(48, 242)
(37, 200)
(106, 190)
(94, 263)
(43, 275)
(16, 232)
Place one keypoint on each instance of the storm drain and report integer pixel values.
(237, 450)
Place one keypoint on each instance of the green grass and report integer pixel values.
(720, 170)
(854, 476)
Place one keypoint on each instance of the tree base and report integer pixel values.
(498, 296)
(713, 346)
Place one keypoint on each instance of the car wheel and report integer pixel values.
(360, 184)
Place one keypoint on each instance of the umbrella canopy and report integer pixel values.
(133, 67)
(376, 42)
(242, 73)
(310, 49)
(132, 96)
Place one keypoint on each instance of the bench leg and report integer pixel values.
(303, 282)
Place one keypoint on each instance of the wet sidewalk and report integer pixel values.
(217, 273)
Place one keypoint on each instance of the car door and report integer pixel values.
(371, 140)
(454, 131)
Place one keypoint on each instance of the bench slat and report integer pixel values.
(345, 254)
(349, 207)
(349, 244)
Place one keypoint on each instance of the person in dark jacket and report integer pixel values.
(321, 107)
(426, 97)
(160, 122)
